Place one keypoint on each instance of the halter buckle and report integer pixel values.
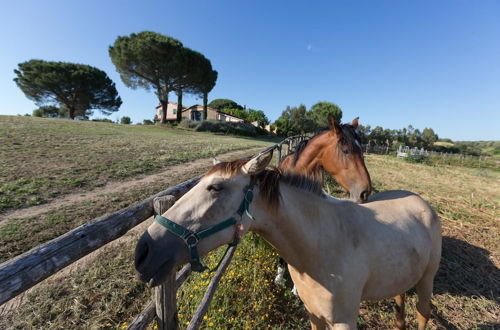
(192, 240)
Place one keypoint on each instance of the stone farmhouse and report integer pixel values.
(195, 113)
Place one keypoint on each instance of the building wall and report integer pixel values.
(171, 111)
(212, 114)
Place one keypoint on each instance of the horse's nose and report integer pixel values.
(364, 195)
(141, 252)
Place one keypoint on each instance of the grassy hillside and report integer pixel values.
(42, 159)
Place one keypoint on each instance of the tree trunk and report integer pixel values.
(205, 109)
(179, 106)
(71, 113)
(164, 106)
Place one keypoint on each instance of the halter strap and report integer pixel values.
(192, 238)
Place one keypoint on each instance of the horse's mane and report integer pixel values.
(269, 179)
(348, 139)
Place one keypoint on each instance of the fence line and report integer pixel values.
(30, 268)
(444, 157)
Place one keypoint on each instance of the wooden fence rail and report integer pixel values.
(26, 270)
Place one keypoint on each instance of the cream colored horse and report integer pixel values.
(338, 252)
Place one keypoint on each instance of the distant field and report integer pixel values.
(42, 159)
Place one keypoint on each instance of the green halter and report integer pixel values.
(192, 238)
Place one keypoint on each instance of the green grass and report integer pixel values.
(104, 294)
(41, 158)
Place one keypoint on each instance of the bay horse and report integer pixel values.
(338, 151)
(338, 252)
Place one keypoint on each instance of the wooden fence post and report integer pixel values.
(279, 154)
(166, 305)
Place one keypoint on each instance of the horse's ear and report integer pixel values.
(355, 122)
(332, 124)
(258, 163)
(215, 161)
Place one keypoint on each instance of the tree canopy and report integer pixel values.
(319, 112)
(76, 88)
(251, 115)
(221, 104)
(293, 121)
(154, 61)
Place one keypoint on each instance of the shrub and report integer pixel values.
(225, 127)
(186, 123)
(125, 120)
(103, 120)
(147, 122)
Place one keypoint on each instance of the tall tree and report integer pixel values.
(319, 112)
(207, 78)
(293, 121)
(190, 75)
(149, 60)
(428, 137)
(257, 115)
(77, 88)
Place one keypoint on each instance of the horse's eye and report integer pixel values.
(345, 152)
(214, 187)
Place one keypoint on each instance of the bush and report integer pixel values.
(225, 127)
(103, 120)
(125, 120)
(49, 111)
(186, 123)
(147, 122)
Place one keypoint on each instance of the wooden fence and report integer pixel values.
(437, 157)
(28, 269)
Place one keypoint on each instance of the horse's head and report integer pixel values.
(344, 159)
(220, 197)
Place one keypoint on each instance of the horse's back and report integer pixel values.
(406, 201)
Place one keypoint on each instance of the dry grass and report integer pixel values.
(42, 159)
(467, 288)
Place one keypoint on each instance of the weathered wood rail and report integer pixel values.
(30, 268)
(24, 271)
(291, 144)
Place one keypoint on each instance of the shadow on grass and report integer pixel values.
(488, 326)
(466, 270)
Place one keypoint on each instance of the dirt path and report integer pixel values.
(113, 187)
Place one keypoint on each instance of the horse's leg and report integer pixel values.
(345, 309)
(400, 311)
(424, 293)
(317, 323)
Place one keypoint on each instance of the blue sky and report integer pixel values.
(393, 63)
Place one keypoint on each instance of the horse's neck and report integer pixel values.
(310, 158)
(296, 225)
